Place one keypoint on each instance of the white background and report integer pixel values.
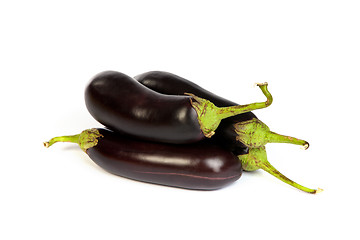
(308, 51)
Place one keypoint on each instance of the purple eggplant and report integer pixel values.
(123, 104)
(199, 166)
(168, 83)
(244, 134)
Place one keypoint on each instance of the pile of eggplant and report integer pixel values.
(163, 129)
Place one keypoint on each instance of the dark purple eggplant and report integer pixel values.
(122, 104)
(168, 83)
(244, 134)
(199, 166)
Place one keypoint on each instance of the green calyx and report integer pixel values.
(210, 116)
(89, 138)
(253, 160)
(257, 159)
(254, 133)
(86, 139)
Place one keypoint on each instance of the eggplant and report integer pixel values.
(123, 104)
(199, 166)
(168, 83)
(244, 134)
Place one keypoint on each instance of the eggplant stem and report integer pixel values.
(270, 169)
(278, 138)
(86, 139)
(70, 138)
(210, 116)
(254, 133)
(257, 159)
(225, 112)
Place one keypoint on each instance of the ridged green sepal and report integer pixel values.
(89, 138)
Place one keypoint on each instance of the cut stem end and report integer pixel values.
(305, 146)
(319, 190)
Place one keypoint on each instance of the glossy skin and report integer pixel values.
(168, 83)
(123, 104)
(200, 166)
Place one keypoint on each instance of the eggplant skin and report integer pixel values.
(168, 83)
(199, 166)
(123, 104)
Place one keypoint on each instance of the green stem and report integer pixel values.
(270, 169)
(210, 116)
(225, 112)
(278, 138)
(86, 139)
(257, 159)
(70, 138)
(254, 133)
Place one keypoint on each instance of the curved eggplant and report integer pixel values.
(123, 104)
(168, 83)
(198, 166)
